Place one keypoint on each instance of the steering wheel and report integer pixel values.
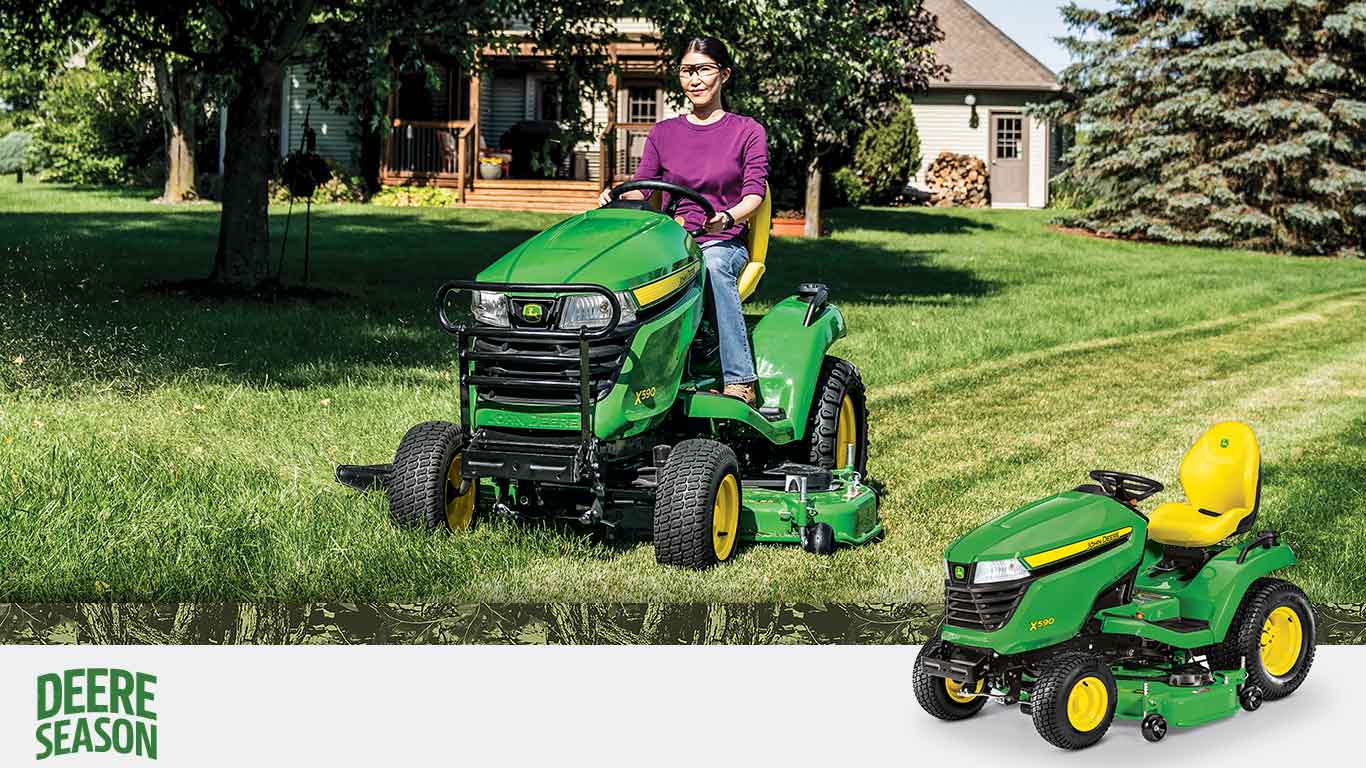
(1124, 487)
(675, 192)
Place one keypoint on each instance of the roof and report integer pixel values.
(980, 55)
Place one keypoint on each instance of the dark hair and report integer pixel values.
(716, 51)
(711, 48)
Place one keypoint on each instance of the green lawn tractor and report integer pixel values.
(1082, 610)
(587, 374)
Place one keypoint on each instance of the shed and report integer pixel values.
(993, 76)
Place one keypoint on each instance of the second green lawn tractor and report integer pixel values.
(1083, 610)
(587, 367)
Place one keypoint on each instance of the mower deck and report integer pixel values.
(774, 516)
(1147, 691)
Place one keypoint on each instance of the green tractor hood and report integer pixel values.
(617, 248)
(1049, 527)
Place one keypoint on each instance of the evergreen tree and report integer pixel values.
(1222, 122)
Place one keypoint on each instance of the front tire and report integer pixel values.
(697, 506)
(1273, 633)
(941, 697)
(1073, 701)
(839, 418)
(425, 485)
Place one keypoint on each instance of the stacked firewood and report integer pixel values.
(957, 181)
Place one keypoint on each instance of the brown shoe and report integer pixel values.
(741, 392)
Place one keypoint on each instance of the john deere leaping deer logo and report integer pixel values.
(533, 313)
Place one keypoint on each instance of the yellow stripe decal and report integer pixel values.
(1076, 548)
(651, 292)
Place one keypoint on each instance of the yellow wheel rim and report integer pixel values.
(725, 517)
(459, 507)
(846, 433)
(1087, 703)
(956, 693)
(1282, 640)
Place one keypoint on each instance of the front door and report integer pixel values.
(1009, 153)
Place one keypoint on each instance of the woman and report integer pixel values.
(724, 156)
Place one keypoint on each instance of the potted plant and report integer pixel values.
(490, 167)
(792, 223)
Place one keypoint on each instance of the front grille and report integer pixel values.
(520, 370)
(986, 607)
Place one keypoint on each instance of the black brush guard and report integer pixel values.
(508, 455)
(489, 360)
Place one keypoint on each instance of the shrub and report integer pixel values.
(887, 156)
(415, 197)
(345, 186)
(1066, 191)
(850, 189)
(97, 127)
(14, 152)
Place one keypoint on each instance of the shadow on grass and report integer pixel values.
(76, 310)
(910, 220)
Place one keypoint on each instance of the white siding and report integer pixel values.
(336, 132)
(1038, 163)
(944, 128)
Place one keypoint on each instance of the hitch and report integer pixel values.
(365, 477)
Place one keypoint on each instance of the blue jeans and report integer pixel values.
(725, 260)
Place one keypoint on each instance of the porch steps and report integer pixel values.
(553, 195)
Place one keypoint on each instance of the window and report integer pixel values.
(1009, 132)
(642, 104)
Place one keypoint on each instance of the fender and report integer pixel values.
(1216, 592)
(788, 355)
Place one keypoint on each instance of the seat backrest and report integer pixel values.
(1222, 471)
(756, 241)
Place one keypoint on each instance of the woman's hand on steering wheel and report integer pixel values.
(676, 192)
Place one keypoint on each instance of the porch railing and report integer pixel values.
(432, 149)
(620, 150)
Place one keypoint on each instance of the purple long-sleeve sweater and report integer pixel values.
(724, 161)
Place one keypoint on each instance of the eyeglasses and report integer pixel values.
(704, 71)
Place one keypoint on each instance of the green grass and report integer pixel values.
(156, 447)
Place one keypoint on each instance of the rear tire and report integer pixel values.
(941, 697)
(697, 506)
(1073, 700)
(424, 485)
(1273, 633)
(840, 395)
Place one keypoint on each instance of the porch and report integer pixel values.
(493, 136)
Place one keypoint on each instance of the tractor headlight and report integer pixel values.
(490, 308)
(591, 310)
(993, 571)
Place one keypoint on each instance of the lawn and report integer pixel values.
(157, 447)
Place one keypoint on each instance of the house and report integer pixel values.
(506, 110)
(993, 77)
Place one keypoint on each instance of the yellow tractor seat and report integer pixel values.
(757, 244)
(1221, 475)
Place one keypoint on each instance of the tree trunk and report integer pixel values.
(175, 85)
(813, 198)
(371, 151)
(243, 258)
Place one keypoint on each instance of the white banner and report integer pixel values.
(606, 706)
